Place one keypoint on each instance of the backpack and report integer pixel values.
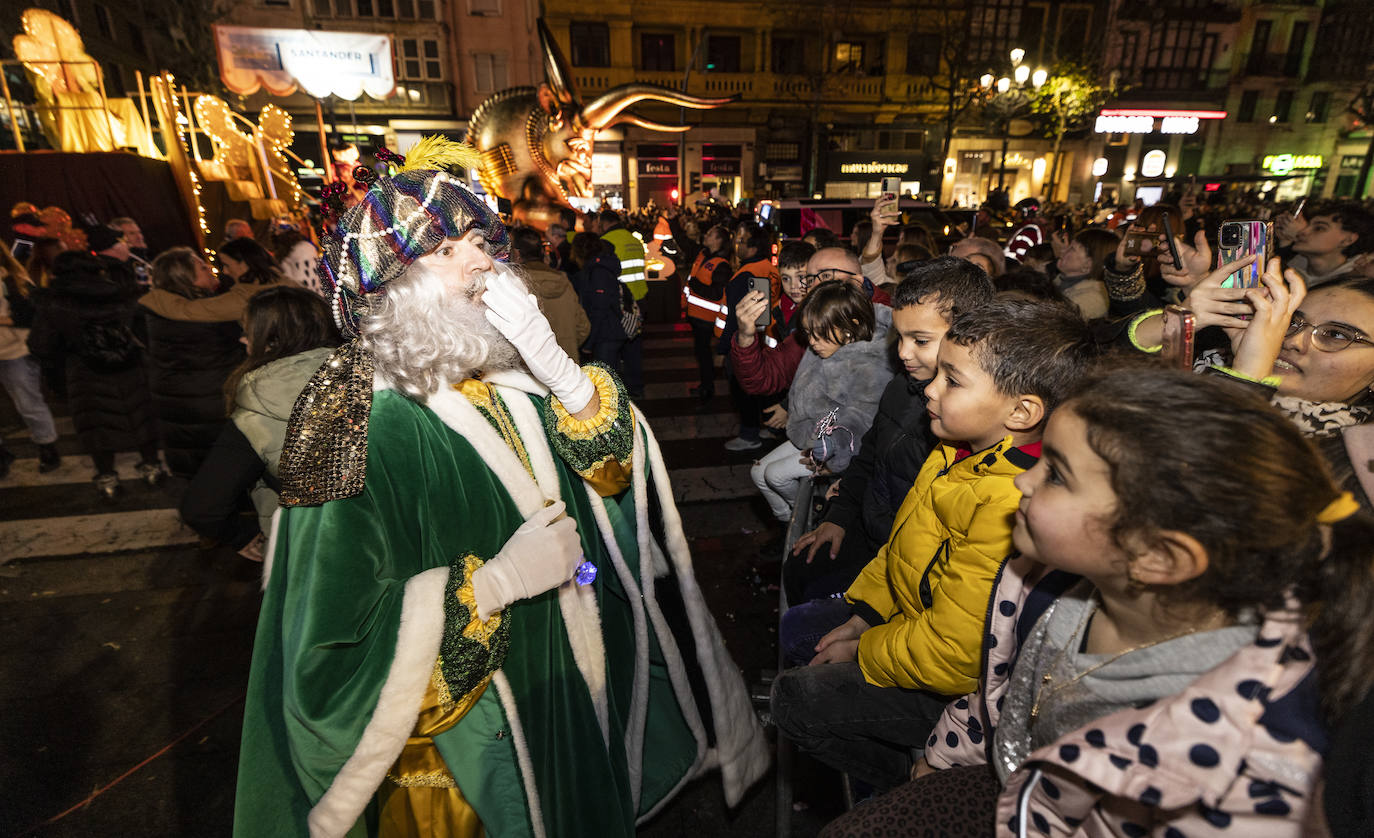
(108, 345)
(631, 320)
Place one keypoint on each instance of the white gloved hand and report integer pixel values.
(542, 554)
(515, 313)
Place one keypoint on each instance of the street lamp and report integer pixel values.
(1013, 96)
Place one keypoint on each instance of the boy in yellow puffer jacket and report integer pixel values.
(913, 639)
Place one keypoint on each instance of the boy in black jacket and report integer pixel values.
(891, 453)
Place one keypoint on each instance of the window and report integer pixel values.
(1283, 105)
(1297, 43)
(849, 57)
(321, 8)
(923, 54)
(783, 152)
(419, 60)
(386, 8)
(1248, 101)
(1130, 49)
(657, 52)
(1316, 111)
(102, 20)
(366, 9)
(1075, 26)
(789, 54)
(490, 72)
(280, 3)
(484, 8)
(591, 44)
(405, 9)
(136, 39)
(1178, 56)
(1259, 46)
(992, 27)
(722, 53)
(343, 8)
(424, 9)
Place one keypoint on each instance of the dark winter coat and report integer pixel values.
(599, 290)
(879, 477)
(188, 364)
(92, 300)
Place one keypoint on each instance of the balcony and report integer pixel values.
(1207, 11)
(1271, 64)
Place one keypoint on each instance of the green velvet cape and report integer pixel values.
(354, 613)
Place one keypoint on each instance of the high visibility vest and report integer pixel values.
(760, 267)
(630, 251)
(699, 307)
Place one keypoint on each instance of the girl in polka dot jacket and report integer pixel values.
(1187, 614)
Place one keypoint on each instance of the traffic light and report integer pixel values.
(673, 195)
(696, 182)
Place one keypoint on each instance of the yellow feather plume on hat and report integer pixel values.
(439, 152)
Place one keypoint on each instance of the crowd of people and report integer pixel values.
(1057, 587)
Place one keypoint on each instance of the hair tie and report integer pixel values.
(1339, 509)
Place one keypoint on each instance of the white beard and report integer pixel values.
(423, 337)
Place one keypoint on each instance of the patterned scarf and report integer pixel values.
(1321, 418)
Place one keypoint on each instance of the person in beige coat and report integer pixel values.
(556, 295)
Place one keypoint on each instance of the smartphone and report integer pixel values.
(1169, 239)
(1238, 239)
(889, 186)
(1142, 241)
(21, 249)
(764, 286)
(1176, 350)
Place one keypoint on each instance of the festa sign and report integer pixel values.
(343, 64)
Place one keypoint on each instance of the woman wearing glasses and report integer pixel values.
(1313, 349)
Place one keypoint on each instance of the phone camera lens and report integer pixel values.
(1230, 237)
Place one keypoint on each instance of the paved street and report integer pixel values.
(126, 646)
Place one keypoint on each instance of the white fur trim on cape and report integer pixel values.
(270, 548)
(522, 751)
(741, 750)
(639, 691)
(398, 707)
(581, 616)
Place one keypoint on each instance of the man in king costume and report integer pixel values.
(479, 615)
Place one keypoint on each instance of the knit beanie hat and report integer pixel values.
(399, 219)
(101, 237)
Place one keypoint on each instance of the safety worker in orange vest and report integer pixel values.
(754, 249)
(704, 295)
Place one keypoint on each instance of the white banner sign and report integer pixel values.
(343, 64)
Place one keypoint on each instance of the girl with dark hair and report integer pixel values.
(834, 395)
(289, 335)
(1187, 614)
(248, 263)
(188, 360)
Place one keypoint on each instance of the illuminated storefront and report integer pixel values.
(859, 174)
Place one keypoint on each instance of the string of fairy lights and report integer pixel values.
(274, 144)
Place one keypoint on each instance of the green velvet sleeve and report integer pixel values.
(599, 449)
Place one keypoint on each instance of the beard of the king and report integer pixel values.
(424, 336)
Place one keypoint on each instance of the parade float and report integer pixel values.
(184, 162)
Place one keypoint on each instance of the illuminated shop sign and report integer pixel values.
(1142, 121)
(1152, 164)
(1282, 164)
(874, 168)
